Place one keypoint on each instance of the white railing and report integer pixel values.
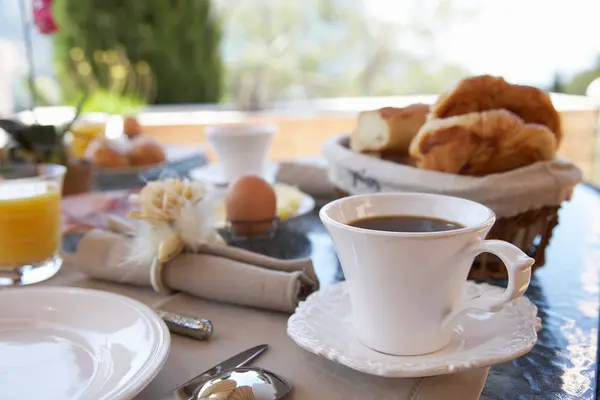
(189, 114)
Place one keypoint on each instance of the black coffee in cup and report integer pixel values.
(405, 223)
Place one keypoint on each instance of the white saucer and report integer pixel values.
(69, 343)
(322, 325)
(213, 173)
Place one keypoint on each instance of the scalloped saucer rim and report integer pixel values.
(322, 325)
(213, 173)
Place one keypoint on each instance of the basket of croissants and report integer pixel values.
(485, 140)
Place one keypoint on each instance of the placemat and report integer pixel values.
(239, 328)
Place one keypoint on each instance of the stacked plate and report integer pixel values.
(68, 343)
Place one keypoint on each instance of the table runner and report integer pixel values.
(238, 328)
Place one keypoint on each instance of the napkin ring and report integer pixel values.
(168, 249)
(156, 280)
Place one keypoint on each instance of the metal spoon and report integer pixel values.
(265, 385)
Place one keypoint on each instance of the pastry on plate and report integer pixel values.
(388, 129)
(145, 151)
(131, 127)
(105, 154)
(481, 143)
(486, 92)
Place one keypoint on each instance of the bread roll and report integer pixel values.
(481, 143)
(388, 129)
(131, 127)
(106, 154)
(145, 151)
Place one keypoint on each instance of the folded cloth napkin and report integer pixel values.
(86, 211)
(220, 273)
(309, 176)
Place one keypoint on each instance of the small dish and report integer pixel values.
(305, 205)
(175, 155)
(323, 325)
(70, 343)
(213, 173)
(180, 160)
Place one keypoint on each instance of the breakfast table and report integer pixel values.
(562, 365)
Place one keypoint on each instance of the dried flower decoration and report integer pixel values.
(175, 215)
(162, 201)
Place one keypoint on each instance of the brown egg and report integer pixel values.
(250, 205)
(145, 151)
(131, 127)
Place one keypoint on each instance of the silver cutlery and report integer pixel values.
(192, 327)
(186, 391)
(269, 385)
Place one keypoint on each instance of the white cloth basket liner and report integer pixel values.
(508, 194)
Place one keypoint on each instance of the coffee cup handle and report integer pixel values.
(518, 265)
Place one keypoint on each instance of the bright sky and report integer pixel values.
(523, 40)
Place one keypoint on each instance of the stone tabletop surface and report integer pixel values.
(563, 364)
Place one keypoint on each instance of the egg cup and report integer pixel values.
(247, 231)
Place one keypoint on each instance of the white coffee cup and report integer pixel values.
(241, 148)
(406, 288)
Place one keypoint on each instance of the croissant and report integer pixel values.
(389, 129)
(481, 143)
(486, 92)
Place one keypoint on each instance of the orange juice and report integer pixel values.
(83, 135)
(29, 222)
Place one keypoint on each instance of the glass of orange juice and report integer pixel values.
(30, 232)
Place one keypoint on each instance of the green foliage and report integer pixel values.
(139, 51)
(558, 85)
(36, 143)
(279, 50)
(579, 83)
(112, 103)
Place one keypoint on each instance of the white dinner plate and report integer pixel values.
(59, 343)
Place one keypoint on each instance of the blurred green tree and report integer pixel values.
(558, 84)
(153, 50)
(579, 83)
(280, 50)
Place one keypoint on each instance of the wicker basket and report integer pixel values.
(530, 228)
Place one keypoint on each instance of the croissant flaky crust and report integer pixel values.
(481, 143)
(388, 129)
(486, 92)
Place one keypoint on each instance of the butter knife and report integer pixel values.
(192, 327)
(185, 391)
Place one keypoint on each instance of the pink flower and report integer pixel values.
(42, 16)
